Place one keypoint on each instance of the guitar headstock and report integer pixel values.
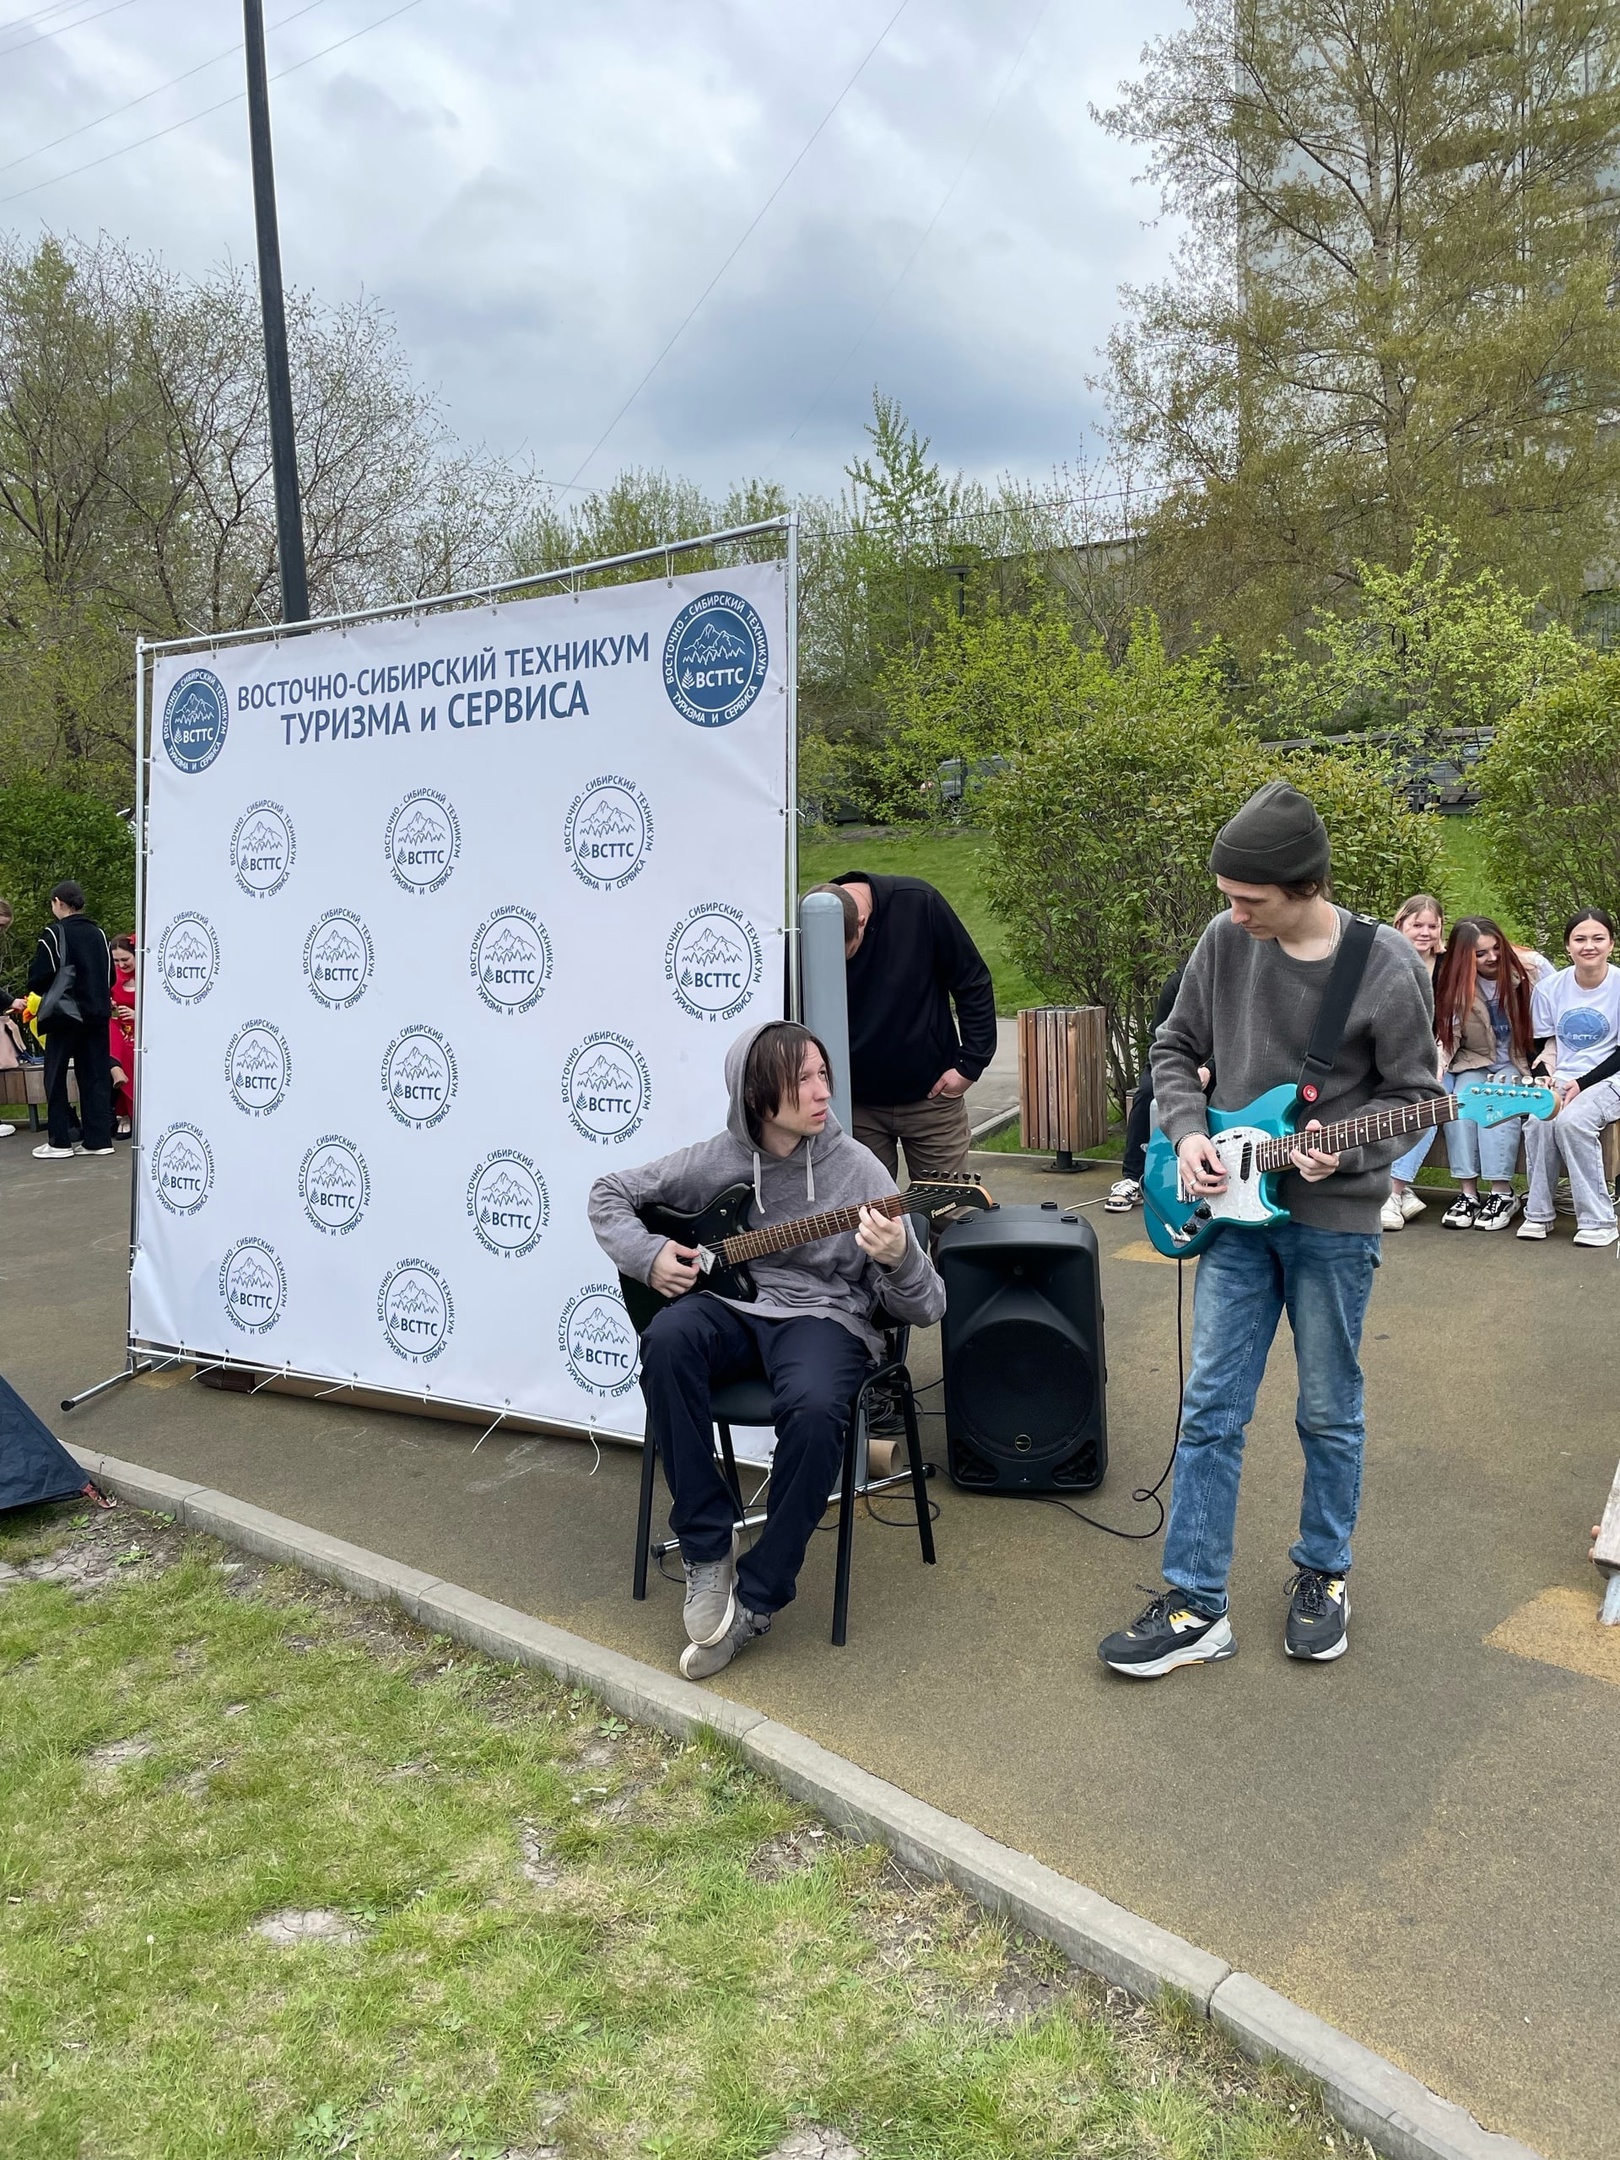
(941, 1200)
(1490, 1102)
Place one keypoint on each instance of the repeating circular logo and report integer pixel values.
(597, 1341)
(334, 1185)
(713, 961)
(419, 1076)
(180, 1164)
(262, 849)
(606, 1086)
(253, 1283)
(258, 1068)
(337, 958)
(416, 1309)
(715, 659)
(196, 714)
(188, 958)
(608, 833)
(508, 1203)
(422, 841)
(511, 960)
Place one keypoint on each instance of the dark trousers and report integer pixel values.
(84, 1047)
(814, 1367)
(1138, 1129)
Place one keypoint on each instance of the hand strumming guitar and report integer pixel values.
(882, 1237)
(675, 1270)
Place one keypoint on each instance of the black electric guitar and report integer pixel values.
(725, 1244)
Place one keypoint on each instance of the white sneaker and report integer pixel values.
(1410, 1203)
(1605, 1234)
(6, 1131)
(1530, 1228)
(1391, 1216)
(1124, 1194)
(47, 1153)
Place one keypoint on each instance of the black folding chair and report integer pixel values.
(748, 1402)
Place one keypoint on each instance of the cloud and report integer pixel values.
(539, 195)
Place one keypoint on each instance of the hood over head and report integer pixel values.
(737, 1116)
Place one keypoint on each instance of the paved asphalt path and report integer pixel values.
(1417, 1843)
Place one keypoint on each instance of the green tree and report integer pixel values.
(1394, 298)
(48, 834)
(1549, 786)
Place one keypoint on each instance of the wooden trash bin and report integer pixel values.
(1063, 1080)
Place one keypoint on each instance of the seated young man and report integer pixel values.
(810, 1332)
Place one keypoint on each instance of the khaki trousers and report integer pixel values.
(934, 1133)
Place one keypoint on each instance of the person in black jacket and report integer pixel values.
(912, 1058)
(82, 1042)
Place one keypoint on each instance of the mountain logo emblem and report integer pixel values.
(258, 1068)
(334, 1185)
(188, 959)
(253, 1286)
(419, 1076)
(606, 1087)
(417, 1312)
(716, 659)
(597, 1342)
(180, 1164)
(510, 960)
(714, 962)
(338, 959)
(507, 1204)
(196, 714)
(422, 841)
(262, 849)
(608, 833)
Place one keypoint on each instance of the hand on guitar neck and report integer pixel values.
(881, 1237)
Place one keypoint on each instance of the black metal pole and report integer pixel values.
(283, 451)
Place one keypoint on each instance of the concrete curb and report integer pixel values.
(1397, 2115)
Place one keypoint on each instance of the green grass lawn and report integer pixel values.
(283, 1876)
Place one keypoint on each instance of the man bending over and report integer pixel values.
(810, 1332)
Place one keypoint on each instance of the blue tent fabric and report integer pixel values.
(34, 1465)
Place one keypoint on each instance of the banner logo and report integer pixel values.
(262, 849)
(608, 833)
(258, 1068)
(715, 659)
(196, 714)
(182, 1169)
(508, 1203)
(253, 1283)
(334, 1185)
(422, 841)
(419, 1077)
(713, 962)
(607, 1087)
(188, 958)
(597, 1341)
(417, 1312)
(511, 960)
(337, 959)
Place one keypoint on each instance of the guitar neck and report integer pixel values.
(803, 1230)
(1354, 1132)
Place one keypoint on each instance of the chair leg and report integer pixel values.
(649, 1478)
(846, 1527)
(919, 1477)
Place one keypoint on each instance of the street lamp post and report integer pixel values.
(278, 380)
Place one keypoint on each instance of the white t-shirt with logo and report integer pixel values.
(1584, 1023)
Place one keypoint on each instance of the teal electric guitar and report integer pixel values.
(1256, 1144)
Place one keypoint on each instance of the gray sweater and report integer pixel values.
(831, 1280)
(1246, 1009)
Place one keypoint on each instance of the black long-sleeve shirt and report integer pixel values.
(914, 963)
(92, 961)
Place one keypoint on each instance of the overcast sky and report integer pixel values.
(540, 193)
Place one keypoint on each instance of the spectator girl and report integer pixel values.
(1422, 923)
(121, 1035)
(1577, 1012)
(1482, 995)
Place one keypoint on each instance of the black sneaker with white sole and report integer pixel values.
(1318, 1616)
(1497, 1212)
(1167, 1632)
(1461, 1214)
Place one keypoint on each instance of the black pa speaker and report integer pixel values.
(1025, 1374)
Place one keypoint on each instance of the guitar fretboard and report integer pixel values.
(804, 1230)
(1353, 1132)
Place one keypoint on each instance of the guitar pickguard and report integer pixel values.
(1245, 1199)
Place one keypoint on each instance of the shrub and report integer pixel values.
(49, 833)
(1549, 787)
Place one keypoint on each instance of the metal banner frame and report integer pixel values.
(142, 1355)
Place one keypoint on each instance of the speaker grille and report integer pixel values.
(1023, 1390)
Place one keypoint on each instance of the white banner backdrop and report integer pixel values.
(443, 918)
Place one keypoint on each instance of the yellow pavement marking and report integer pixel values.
(1561, 1627)
(1140, 1249)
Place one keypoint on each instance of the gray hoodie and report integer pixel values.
(832, 1279)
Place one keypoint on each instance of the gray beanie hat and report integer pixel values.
(1275, 839)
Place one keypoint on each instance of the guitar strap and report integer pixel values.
(1349, 966)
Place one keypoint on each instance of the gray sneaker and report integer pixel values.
(700, 1660)
(711, 1597)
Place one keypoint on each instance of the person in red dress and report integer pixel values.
(121, 1033)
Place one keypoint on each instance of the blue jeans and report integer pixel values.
(1483, 1151)
(1404, 1172)
(1246, 1281)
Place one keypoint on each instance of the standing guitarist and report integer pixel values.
(1248, 1006)
(810, 1331)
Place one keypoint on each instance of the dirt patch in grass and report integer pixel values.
(284, 1875)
